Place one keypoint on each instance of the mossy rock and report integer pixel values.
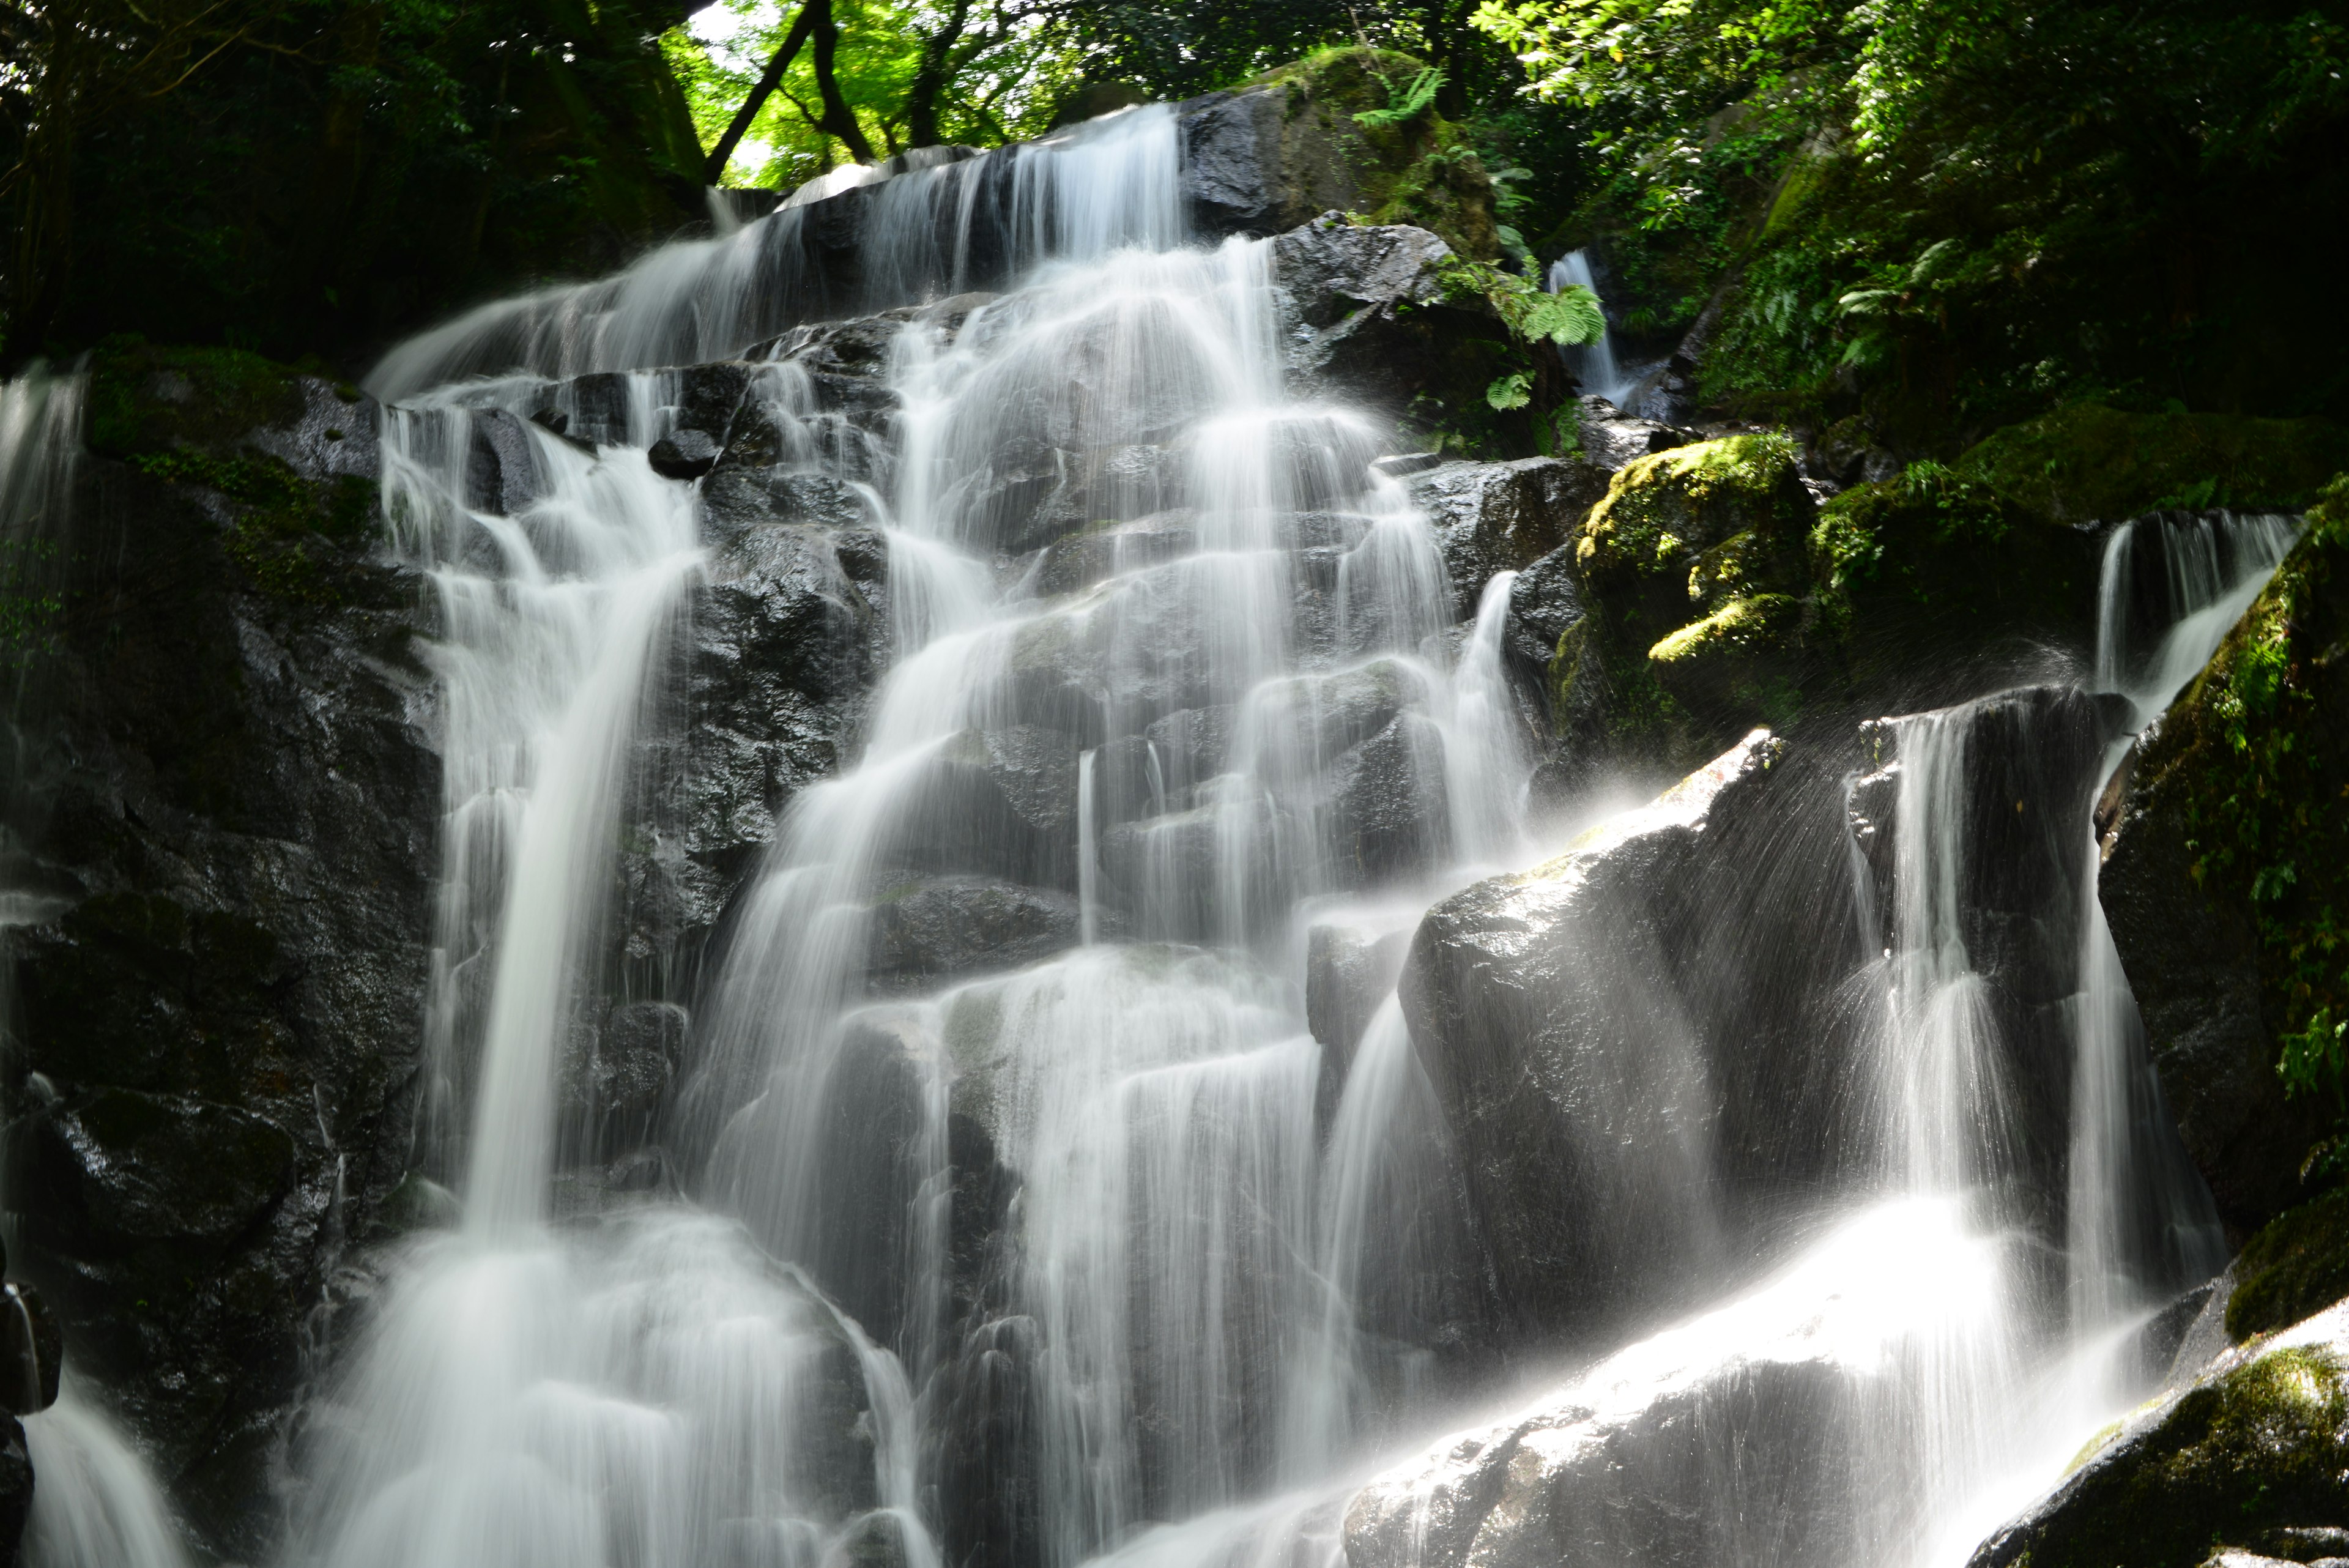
(1421, 170)
(2087, 462)
(147, 398)
(1737, 663)
(1662, 511)
(2294, 1267)
(2253, 1449)
(183, 416)
(2226, 888)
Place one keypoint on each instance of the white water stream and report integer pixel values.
(1216, 1288)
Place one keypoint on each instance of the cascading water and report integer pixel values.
(1222, 715)
(651, 1386)
(1593, 363)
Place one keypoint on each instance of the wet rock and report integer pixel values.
(687, 454)
(15, 1486)
(1719, 1441)
(617, 1078)
(1365, 319)
(2242, 758)
(2248, 1452)
(1502, 517)
(1611, 1046)
(501, 471)
(1545, 604)
(928, 931)
(236, 806)
(1611, 439)
(1387, 807)
(1349, 971)
(997, 803)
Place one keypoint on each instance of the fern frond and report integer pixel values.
(1410, 103)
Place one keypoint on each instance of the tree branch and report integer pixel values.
(723, 153)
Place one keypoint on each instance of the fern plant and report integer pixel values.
(1408, 104)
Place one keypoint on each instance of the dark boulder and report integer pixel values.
(1552, 1014)
(2224, 866)
(686, 454)
(231, 825)
(1494, 517)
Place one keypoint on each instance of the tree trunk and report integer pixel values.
(837, 121)
(720, 155)
(930, 78)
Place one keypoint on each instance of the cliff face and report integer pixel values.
(229, 846)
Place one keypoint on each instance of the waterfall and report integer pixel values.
(651, 1387)
(1593, 364)
(1150, 1247)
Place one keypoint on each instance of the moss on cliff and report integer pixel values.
(1419, 169)
(183, 416)
(2297, 1266)
(2254, 758)
(2254, 1449)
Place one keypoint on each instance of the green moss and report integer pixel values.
(144, 397)
(2253, 762)
(2296, 1266)
(1761, 624)
(2088, 462)
(2252, 1450)
(1662, 509)
(179, 415)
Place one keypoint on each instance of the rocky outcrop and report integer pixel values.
(1566, 1034)
(231, 843)
(1729, 1439)
(1267, 158)
(2222, 871)
(1492, 518)
(2247, 1455)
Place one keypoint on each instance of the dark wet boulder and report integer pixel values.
(2223, 864)
(16, 1488)
(231, 827)
(1545, 603)
(617, 1078)
(927, 932)
(1567, 1045)
(2247, 1455)
(1492, 518)
(684, 454)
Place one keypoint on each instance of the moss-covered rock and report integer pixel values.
(1692, 569)
(2251, 1449)
(2294, 1267)
(1293, 144)
(284, 460)
(2226, 882)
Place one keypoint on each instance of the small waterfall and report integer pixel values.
(1593, 364)
(926, 228)
(2171, 587)
(95, 1504)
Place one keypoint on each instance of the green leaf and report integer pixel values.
(1510, 391)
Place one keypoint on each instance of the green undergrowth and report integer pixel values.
(2258, 747)
(2296, 1266)
(181, 415)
